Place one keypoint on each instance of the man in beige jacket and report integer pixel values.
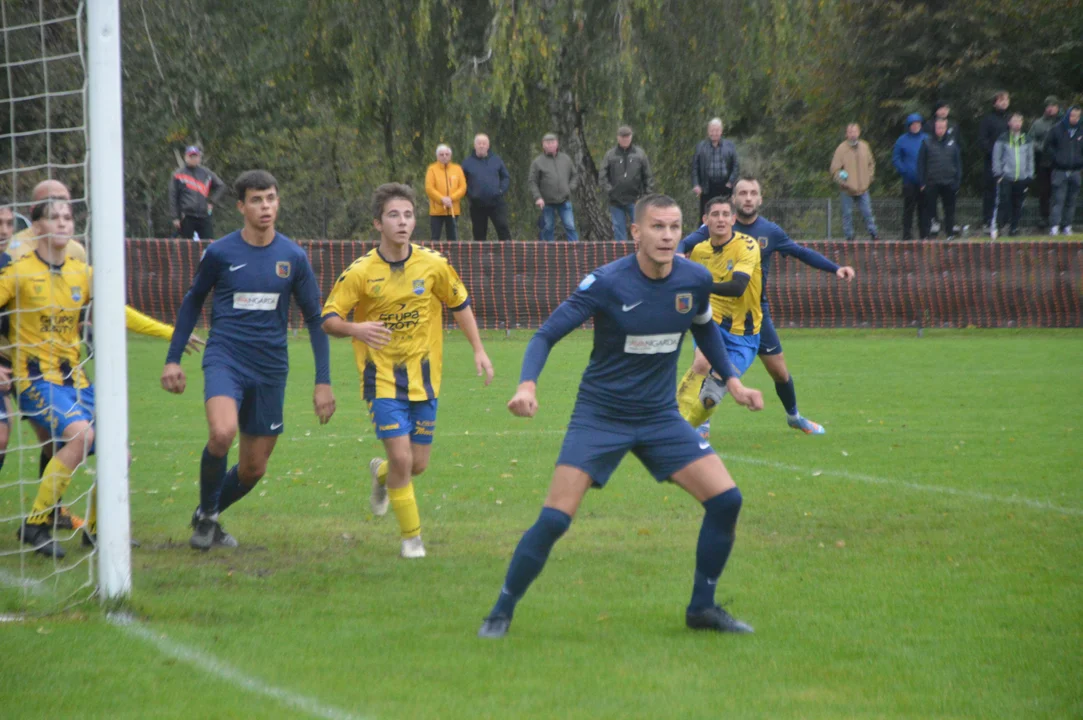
(853, 168)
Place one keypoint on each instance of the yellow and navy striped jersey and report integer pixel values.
(406, 297)
(25, 242)
(45, 302)
(737, 315)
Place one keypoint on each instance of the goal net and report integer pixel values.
(45, 135)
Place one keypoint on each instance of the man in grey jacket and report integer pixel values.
(1013, 167)
(625, 176)
(714, 166)
(553, 179)
(193, 192)
(1043, 162)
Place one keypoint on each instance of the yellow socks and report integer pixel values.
(381, 471)
(54, 481)
(404, 504)
(688, 401)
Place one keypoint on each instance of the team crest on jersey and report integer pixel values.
(729, 265)
(77, 294)
(684, 302)
(419, 287)
(763, 242)
(282, 269)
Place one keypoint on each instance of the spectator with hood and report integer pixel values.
(905, 159)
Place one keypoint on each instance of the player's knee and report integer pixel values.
(400, 457)
(221, 437)
(554, 522)
(251, 470)
(725, 507)
(776, 368)
(701, 366)
(420, 465)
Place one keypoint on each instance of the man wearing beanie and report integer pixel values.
(1043, 161)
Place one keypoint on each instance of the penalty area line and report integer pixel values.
(216, 668)
(940, 489)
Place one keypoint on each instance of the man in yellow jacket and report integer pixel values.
(445, 184)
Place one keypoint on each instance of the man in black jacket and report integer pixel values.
(193, 192)
(1065, 147)
(940, 171)
(487, 180)
(714, 166)
(992, 127)
(625, 177)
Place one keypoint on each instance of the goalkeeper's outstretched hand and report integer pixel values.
(525, 402)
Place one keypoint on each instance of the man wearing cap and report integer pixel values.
(1043, 161)
(193, 193)
(625, 176)
(553, 179)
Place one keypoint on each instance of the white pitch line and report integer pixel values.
(14, 581)
(941, 489)
(223, 671)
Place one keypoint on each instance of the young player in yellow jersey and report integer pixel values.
(48, 292)
(734, 260)
(395, 293)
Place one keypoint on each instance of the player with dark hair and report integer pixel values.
(772, 239)
(642, 305)
(395, 293)
(253, 272)
(49, 291)
(734, 261)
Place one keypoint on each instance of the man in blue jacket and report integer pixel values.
(487, 181)
(905, 159)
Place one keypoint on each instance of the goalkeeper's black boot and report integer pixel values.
(717, 619)
(41, 539)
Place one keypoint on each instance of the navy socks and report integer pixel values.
(788, 396)
(529, 558)
(212, 469)
(716, 538)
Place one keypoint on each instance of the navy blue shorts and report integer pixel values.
(259, 405)
(664, 443)
(769, 342)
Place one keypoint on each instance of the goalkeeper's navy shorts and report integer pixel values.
(55, 407)
(596, 443)
(259, 405)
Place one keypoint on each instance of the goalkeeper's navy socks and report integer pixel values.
(788, 396)
(529, 558)
(211, 471)
(715, 543)
(232, 489)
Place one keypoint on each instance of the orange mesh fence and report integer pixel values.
(517, 284)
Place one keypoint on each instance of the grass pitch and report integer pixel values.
(920, 560)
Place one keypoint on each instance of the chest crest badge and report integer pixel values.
(282, 269)
(77, 294)
(763, 242)
(684, 302)
(729, 266)
(419, 287)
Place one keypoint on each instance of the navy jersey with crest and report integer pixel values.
(250, 310)
(771, 239)
(639, 324)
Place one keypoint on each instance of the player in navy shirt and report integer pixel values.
(253, 272)
(772, 239)
(642, 305)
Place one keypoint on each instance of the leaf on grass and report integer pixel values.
(817, 473)
(506, 475)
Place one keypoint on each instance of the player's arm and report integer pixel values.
(692, 240)
(451, 291)
(347, 295)
(732, 288)
(709, 341)
(306, 290)
(569, 315)
(173, 378)
(810, 257)
(146, 325)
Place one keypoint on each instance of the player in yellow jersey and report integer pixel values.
(47, 292)
(7, 229)
(734, 260)
(396, 293)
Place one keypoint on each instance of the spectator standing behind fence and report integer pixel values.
(487, 181)
(1065, 147)
(445, 185)
(714, 166)
(941, 110)
(1013, 167)
(853, 168)
(625, 176)
(1043, 163)
(992, 127)
(905, 159)
(553, 179)
(940, 172)
(193, 192)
